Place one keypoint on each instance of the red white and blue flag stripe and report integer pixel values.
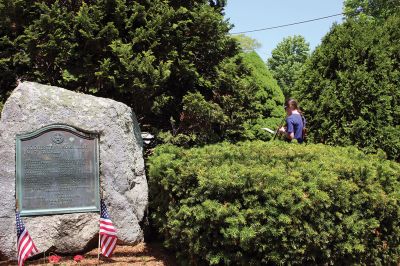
(108, 233)
(25, 245)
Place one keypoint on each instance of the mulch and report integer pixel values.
(149, 254)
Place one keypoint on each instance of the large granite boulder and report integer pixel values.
(123, 184)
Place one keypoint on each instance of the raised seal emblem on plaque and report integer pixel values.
(57, 138)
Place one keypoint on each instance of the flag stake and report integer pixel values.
(98, 246)
(98, 250)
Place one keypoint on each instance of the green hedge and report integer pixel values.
(276, 203)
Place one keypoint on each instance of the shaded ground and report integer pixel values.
(150, 254)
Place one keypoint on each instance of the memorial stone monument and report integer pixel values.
(60, 152)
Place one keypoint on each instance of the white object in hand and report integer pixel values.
(269, 130)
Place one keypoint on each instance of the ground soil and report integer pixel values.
(149, 254)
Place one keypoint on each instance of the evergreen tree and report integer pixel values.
(377, 9)
(268, 99)
(350, 86)
(165, 59)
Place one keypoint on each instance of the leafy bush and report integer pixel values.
(276, 203)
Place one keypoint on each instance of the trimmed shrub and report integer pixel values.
(276, 203)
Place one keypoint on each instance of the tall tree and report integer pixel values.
(247, 43)
(165, 59)
(350, 86)
(287, 60)
(378, 9)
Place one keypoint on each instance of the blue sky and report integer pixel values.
(257, 14)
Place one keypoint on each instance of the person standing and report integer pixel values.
(295, 122)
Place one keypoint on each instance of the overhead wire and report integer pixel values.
(290, 24)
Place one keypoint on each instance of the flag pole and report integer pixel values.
(98, 250)
(98, 246)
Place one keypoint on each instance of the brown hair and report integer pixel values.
(295, 106)
(292, 103)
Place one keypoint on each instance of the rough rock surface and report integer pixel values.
(122, 176)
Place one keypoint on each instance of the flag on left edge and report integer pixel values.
(108, 233)
(25, 245)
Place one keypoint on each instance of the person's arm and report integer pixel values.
(290, 129)
(289, 135)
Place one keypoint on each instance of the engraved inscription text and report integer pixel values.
(58, 172)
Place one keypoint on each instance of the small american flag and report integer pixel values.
(108, 233)
(25, 245)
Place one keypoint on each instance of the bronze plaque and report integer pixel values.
(57, 171)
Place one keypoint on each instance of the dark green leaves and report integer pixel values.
(152, 55)
(261, 203)
(349, 87)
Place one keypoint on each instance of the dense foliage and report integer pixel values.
(377, 9)
(287, 60)
(172, 61)
(268, 100)
(276, 203)
(350, 86)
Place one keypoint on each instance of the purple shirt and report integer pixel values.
(295, 124)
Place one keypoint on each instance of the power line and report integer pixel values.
(286, 25)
